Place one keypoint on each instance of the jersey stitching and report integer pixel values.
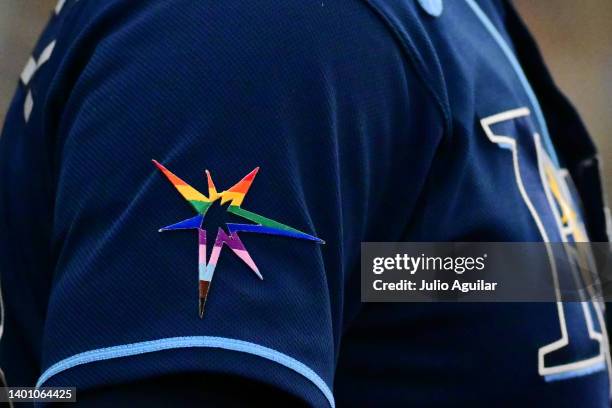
(133, 349)
(416, 63)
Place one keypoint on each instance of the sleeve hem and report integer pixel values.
(134, 349)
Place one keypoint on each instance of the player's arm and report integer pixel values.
(291, 88)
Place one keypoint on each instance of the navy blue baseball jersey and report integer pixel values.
(283, 134)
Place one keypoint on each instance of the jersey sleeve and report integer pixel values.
(248, 133)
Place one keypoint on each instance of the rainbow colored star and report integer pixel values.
(235, 195)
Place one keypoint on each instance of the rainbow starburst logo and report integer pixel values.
(235, 196)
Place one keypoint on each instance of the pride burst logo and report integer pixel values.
(235, 195)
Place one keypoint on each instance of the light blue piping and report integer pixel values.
(521, 75)
(132, 349)
(576, 373)
(547, 141)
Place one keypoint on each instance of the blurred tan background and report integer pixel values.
(575, 37)
(21, 21)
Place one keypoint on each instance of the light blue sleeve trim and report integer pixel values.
(521, 75)
(576, 373)
(126, 350)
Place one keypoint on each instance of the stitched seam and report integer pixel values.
(414, 62)
(133, 349)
